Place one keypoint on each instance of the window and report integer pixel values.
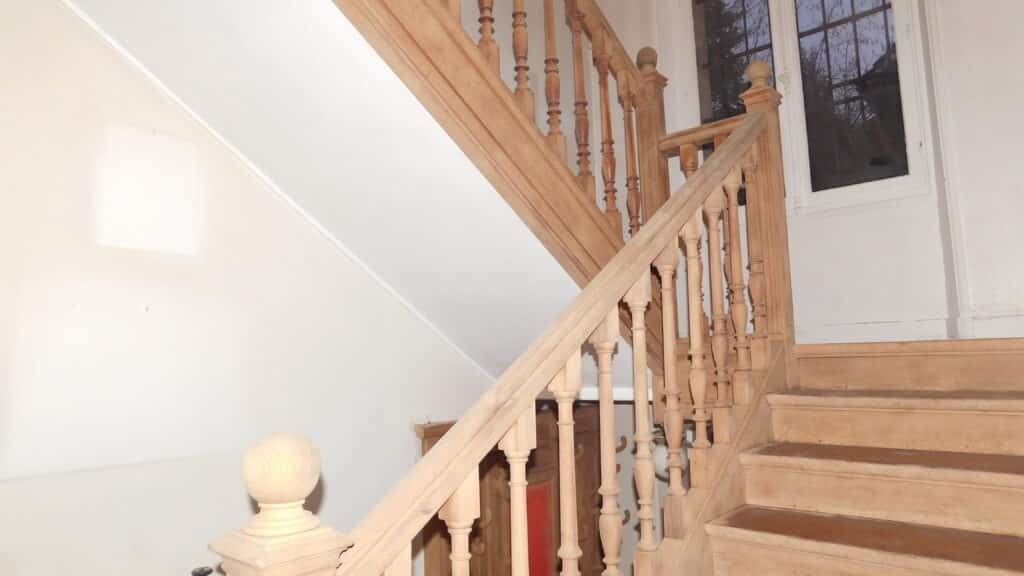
(852, 106)
(730, 33)
(851, 87)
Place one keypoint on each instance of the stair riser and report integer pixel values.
(943, 430)
(976, 503)
(740, 558)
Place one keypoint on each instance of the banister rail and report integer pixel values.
(594, 24)
(407, 508)
(702, 219)
(698, 135)
(630, 290)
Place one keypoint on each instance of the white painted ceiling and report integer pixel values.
(298, 91)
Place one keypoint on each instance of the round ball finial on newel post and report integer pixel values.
(759, 73)
(647, 59)
(280, 473)
(760, 94)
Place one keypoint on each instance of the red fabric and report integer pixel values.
(538, 507)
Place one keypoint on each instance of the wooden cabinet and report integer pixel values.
(490, 540)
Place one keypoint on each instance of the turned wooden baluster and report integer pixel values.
(758, 284)
(737, 298)
(688, 162)
(582, 118)
(666, 264)
(565, 387)
(603, 62)
(714, 207)
(459, 513)
(610, 524)
(517, 444)
(553, 82)
(402, 566)
(638, 298)
(520, 49)
(726, 247)
(692, 232)
(488, 45)
(627, 98)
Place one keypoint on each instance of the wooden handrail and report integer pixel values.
(698, 135)
(396, 520)
(432, 55)
(595, 21)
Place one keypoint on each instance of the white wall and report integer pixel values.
(134, 371)
(976, 50)
(298, 91)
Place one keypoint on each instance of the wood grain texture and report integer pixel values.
(458, 85)
(982, 364)
(553, 81)
(565, 388)
(400, 515)
(877, 546)
(979, 492)
(650, 120)
(637, 299)
(737, 292)
(517, 444)
(698, 136)
(603, 340)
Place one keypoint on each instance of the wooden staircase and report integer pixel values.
(781, 458)
(864, 482)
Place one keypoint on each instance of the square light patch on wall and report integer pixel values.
(148, 193)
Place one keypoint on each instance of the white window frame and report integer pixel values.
(916, 113)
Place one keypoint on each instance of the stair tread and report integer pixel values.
(923, 394)
(981, 400)
(972, 548)
(965, 461)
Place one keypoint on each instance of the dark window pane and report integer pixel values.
(845, 93)
(728, 33)
(872, 39)
(852, 102)
(759, 30)
(813, 56)
(836, 10)
(842, 53)
(809, 14)
(865, 5)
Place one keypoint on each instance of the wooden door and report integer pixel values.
(490, 540)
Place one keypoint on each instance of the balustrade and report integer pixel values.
(725, 350)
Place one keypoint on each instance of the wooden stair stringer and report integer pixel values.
(690, 553)
(433, 56)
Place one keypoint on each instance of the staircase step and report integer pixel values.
(989, 422)
(768, 542)
(982, 492)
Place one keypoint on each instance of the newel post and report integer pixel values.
(283, 539)
(769, 205)
(650, 108)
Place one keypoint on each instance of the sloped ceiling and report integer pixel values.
(298, 91)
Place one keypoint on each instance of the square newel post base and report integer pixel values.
(314, 552)
(675, 515)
